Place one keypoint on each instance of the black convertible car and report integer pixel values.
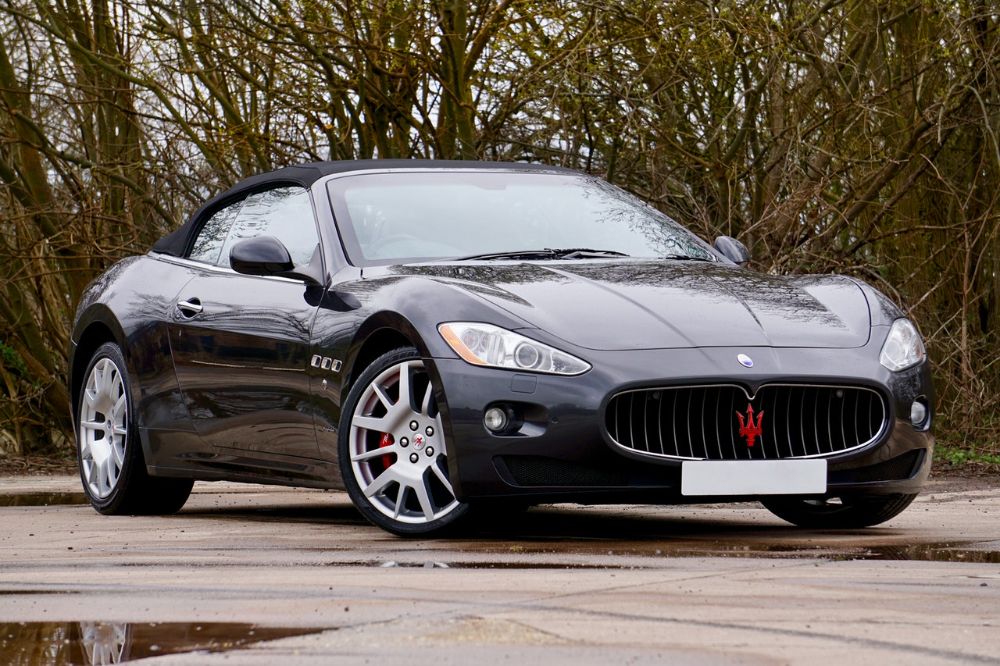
(438, 336)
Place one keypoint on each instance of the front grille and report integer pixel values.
(701, 422)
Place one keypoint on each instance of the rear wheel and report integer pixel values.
(839, 513)
(393, 453)
(110, 458)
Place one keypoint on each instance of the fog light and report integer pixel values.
(918, 413)
(495, 419)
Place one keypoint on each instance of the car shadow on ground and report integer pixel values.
(558, 536)
(553, 524)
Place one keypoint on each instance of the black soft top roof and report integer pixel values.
(304, 175)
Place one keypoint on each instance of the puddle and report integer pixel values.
(43, 499)
(765, 544)
(391, 564)
(931, 552)
(91, 643)
(645, 556)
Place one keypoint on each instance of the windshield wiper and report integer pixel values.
(587, 253)
(546, 253)
(686, 257)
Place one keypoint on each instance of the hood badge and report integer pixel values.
(748, 428)
(744, 360)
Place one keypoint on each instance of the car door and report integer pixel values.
(240, 343)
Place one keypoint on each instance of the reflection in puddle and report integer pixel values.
(87, 643)
(931, 552)
(42, 499)
(647, 558)
(927, 552)
(392, 564)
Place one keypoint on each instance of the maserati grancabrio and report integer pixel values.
(435, 337)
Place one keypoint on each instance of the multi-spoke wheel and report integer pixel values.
(394, 457)
(105, 643)
(838, 512)
(103, 426)
(111, 463)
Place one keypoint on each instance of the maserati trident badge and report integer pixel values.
(744, 360)
(748, 428)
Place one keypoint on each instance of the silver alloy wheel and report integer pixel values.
(104, 643)
(401, 469)
(103, 426)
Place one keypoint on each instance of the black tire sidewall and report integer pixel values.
(133, 453)
(361, 502)
(855, 512)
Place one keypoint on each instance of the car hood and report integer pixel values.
(667, 304)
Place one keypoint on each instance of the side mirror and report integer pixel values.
(266, 255)
(263, 255)
(732, 249)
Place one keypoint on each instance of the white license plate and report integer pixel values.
(753, 477)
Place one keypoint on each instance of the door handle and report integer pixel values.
(190, 307)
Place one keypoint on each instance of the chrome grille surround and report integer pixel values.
(842, 418)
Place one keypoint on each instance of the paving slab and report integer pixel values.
(261, 575)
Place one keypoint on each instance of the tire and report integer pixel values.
(850, 513)
(108, 452)
(384, 462)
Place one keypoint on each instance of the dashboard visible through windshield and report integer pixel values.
(410, 216)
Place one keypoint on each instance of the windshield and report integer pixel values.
(420, 215)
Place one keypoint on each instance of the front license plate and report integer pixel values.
(753, 477)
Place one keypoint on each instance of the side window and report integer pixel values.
(209, 241)
(285, 213)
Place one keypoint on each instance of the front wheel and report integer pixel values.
(108, 451)
(840, 512)
(393, 453)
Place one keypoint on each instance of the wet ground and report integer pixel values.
(248, 574)
(123, 642)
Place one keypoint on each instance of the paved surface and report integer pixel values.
(714, 584)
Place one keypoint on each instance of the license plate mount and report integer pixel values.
(706, 478)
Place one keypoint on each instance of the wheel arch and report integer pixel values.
(96, 327)
(381, 333)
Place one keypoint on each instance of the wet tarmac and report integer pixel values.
(927, 552)
(92, 643)
(42, 499)
(255, 575)
(570, 530)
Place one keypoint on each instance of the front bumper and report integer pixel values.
(566, 454)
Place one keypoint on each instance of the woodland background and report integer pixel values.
(855, 136)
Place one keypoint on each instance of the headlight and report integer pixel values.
(903, 348)
(485, 344)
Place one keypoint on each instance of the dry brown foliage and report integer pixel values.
(854, 136)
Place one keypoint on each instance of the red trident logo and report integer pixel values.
(748, 428)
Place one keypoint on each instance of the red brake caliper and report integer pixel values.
(386, 440)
